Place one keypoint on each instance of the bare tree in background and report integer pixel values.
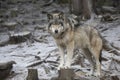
(81, 7)
(87, 7)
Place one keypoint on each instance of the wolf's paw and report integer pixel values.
(67, 66)
(60, 66)
(89, 74)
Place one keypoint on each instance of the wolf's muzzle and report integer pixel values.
(56, 31)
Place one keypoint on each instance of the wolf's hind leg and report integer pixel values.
(96, 55)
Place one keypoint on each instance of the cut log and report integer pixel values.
(4, 39)
(9, 25)
(65, 74)
(19, 37)
(5, 69)
(32, 74)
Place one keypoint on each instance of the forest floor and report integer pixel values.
(32, 18)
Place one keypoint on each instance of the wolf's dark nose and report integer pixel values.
(56, 31)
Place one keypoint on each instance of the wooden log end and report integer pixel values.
(65, 74)
(32, 74)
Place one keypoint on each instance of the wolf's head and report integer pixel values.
(55, 15)
(56, 24)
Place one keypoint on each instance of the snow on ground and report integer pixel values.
(25, 54)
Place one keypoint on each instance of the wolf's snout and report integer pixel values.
(56, 31)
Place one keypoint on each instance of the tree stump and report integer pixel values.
(9, 25)
(65, 74)
(19, 37)
(4, 39)
(5, 69)
(32, 74)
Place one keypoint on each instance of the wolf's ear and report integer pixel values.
(61, 15)
(48, 27)
(49, 16)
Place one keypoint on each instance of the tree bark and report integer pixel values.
(65, 74)
(19, 37)
(32, 74)
(81, 7)
(76, 6)
(5, 69)
(86, 12)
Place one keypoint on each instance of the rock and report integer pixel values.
(5, 68)
(9, 25)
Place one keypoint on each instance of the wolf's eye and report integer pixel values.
(61, 23)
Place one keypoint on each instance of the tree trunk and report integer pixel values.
(76, 6)
(81, 7)
(86, 12)
(65, 74)
(32, 74)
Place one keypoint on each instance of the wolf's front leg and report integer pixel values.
(70, 49)
(62, 55)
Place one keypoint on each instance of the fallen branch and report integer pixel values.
(39, 62)
(117, 59)
(48, 3)
(104, 29)
(118, 48)
(114, 51)
(36, 63)
(109, 47)
(48, 61)
(104, 59)
(40, 40)
(47, 69)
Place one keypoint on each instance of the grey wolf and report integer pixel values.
(68, 37)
